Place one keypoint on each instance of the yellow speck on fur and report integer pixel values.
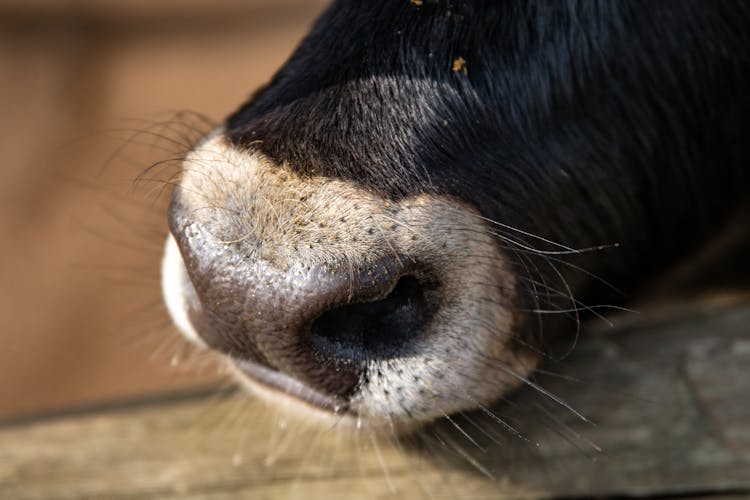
(459, 64)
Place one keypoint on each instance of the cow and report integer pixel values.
(394, 228)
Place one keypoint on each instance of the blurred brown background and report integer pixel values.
(89, 95)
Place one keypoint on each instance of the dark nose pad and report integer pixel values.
(372, 330)
(320, 324)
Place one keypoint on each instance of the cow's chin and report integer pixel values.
(442, 279)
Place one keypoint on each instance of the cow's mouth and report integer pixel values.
(282, 383)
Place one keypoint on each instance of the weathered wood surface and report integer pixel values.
(668, 403)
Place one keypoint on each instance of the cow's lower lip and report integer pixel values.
(285, 384)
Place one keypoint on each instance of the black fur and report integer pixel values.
(583, 122)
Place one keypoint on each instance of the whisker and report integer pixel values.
(383, 466)
(540, 389)
(562, 425)
(463, 432)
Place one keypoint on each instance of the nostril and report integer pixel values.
(374, 330)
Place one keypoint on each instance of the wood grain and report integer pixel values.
(667, 403)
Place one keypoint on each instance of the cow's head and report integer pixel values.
(348, 299)
(372, 234)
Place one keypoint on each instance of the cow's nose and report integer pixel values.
(320, 324)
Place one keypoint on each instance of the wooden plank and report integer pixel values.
(667, 403)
